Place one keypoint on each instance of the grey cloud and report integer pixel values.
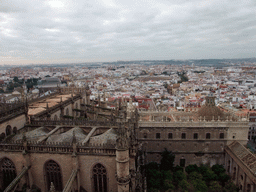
(40, 31)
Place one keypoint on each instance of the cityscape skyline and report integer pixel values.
(107, 31)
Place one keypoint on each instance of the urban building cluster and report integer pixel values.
(94, 128)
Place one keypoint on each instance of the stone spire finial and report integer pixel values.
(52, 188)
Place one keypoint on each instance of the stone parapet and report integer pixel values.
(187, 124)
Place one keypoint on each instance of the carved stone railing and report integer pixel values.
(58, 147)
(242, 124)
(74, 122)
(57, 107)
(42, 98)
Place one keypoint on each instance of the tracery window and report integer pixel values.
(208, 136)
(7, 172)
(169, 135)
(99, 178)
(221, 135)
(53, 174)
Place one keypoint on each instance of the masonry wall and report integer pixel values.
(86, 165)
(17, 122)
(195, 150)
(241, 176)
(66, 163)
(239, 134)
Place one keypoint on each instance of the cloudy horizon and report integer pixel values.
(65, 31)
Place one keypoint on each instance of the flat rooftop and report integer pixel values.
(40, 106)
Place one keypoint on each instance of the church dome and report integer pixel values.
(209, 111)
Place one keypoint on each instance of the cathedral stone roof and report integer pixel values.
(109, 137)
(32, 135)
(67, 137)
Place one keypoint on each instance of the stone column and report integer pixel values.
(122, 160)
(122, 169)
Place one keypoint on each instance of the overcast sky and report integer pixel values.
(64, 31)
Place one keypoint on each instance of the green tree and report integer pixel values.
(154, 179)
(178, 177)
(34, 80)
(223, 178)
(184, 185)
(218, 169)
(16, 79)
(230, 187)
(191, 168)
(215, 187)
(152, 165)
(199, 185)
(195, 176)
(209, 176)
(10, 87)
(168, 180)
(167, 160)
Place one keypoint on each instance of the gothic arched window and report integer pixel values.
(99, 178)
(53, 174)
(7, 172)
(8, 130)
